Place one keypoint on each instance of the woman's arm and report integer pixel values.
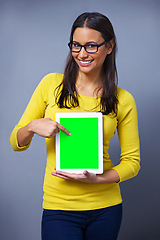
(110, 176)
(44, 127)
(32, 120)
(128, 135)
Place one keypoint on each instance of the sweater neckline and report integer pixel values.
(89, 97)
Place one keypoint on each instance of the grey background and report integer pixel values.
(33, 42)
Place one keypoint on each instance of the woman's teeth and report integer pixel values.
(85, 62)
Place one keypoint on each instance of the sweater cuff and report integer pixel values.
(14, 141)
(125, 171)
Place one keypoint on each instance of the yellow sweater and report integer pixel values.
(73, 195)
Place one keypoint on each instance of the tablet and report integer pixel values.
(83, 150)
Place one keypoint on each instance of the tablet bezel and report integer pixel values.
(97, 115)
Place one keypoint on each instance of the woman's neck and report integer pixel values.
(89, 84)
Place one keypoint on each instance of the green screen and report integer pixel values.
(80, 150)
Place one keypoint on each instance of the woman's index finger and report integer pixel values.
(62, 128)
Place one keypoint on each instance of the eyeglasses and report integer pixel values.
(89, 48)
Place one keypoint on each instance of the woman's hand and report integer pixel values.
(44, 127)
(85, 177)
(47, 128)
(109, 176)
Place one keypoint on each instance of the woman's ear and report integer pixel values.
(110, 46)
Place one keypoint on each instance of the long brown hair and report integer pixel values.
(66, 94)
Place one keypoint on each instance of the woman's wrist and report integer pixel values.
(109, 176)
(31, 127)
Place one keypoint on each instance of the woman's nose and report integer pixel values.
(83, 53)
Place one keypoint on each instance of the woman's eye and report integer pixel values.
(91, 45)
(75, 45)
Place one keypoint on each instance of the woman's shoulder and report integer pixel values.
(126, 102)
(52, 80)
(124, 96)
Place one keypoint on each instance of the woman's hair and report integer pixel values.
(67, 96)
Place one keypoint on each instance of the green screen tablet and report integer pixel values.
(83, 150)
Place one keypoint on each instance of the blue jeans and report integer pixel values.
(99, 224)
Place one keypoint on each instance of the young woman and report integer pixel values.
(83, 206)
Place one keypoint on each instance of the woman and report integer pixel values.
(83, 206)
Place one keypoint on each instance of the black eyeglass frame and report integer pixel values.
(96, 45)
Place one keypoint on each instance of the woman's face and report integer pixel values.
(89, 62)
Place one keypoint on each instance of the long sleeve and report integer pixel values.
(128, 137)
(35, 109)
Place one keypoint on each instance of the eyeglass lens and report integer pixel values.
(90, 48)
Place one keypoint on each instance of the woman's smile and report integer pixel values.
(85, 63)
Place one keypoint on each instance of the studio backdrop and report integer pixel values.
(33, 42)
